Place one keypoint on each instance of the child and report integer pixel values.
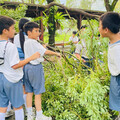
(74, 38)
(10, 70)
(20, 38)
(73, 42)
(109, 27)
(19, 42)
(33, 71)
(81, 50)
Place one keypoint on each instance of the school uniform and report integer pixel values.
(114, 68)
(82, 51)
(73, 39)
(33, 71)
(10, 79)
(17, 43)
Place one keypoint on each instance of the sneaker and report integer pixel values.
(9, 113)
(43, 117)
(30, 117)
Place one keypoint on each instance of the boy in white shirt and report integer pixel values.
(109, 27)
(11, 71)
(74, 38)
(33, 72)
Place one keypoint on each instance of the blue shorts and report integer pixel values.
(114, 94)
(12, 92)
(34, 78)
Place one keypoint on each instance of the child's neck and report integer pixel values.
(114, 38)
(3, 37)
(31, 37)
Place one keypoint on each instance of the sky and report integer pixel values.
(98, 5)
(63, 2)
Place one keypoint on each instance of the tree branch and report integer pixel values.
(70, 9)
(114, 4)
(107, 5)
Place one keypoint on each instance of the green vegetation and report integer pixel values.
(72, 91)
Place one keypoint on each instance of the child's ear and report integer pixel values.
(106, 30)
(4, 31)
(29, 32)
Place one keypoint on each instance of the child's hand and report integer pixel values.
(83, 60)
(58, 54)
(35, 56)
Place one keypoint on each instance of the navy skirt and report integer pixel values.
(114, 95)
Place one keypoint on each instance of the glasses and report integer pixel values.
(2, 58)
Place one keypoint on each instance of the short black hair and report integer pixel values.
(111, 20)
(74, 32)
(83, 26)
(5, 23)
(29, 26)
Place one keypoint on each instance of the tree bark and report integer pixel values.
(32, 1)
(70, 9)
(110, 7)
(51, 25)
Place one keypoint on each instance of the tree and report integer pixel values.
(110, 6)
(51, 24)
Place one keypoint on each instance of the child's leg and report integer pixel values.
(39, 114)
(38, 102)
(10, 111)
(29, 100)
(19, 114)
(24, 97)
(30, 114)
(2, 112)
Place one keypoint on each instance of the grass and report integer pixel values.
(58, 37)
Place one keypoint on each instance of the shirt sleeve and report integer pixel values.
(78, 48)
(13, 55)
(39, 48)
(70, 39)
(76, 39)
(115, 55)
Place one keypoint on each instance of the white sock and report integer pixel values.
(24, 97)
(9, 107)
(29, 111)
(2, 116)
(39, 113)
(19, 114)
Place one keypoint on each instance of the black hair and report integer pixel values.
(29, 26)
(5, 23)
(83, 26)
(74, 32)
(21, 30)
(111, 20)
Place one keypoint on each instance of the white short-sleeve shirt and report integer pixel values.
(17, 40)
(31, 46)
(81, 49)
(114, 58)
(74, 39)
(11, 59)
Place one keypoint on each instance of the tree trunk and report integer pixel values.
(51, 25)
(32, 1)
(22, 1)
(110, 7)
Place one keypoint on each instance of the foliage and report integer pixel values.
(16, 14)
(74, 92)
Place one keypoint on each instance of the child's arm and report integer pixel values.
(79, 57)
(49, 52)
(24, 62)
